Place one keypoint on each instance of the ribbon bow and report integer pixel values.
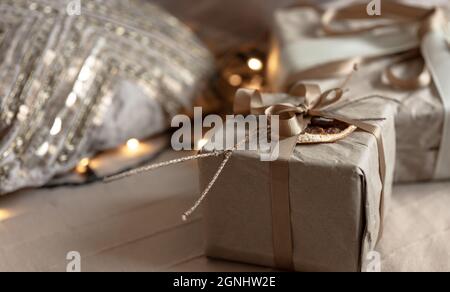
(306, 100)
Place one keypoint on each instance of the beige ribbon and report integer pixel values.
(309, 101)
(397, 15)
(432, 22)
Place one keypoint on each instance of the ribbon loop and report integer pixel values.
(291, 120)
(329, 97)
(309, 91)
(396, 13)
(314, 98)
(248, 101)
(422, 79)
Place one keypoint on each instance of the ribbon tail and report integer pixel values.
(437, 57)
(281, 206)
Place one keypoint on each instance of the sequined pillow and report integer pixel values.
(76, 80)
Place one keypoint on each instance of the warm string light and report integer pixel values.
(133, 145)
(255, 64)
(83, 166)
(4, 215)
(235, 80)
(201, 143)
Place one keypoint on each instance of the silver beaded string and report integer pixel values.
(226, 153)
(189, 212)
(160, 165)
(186, 214)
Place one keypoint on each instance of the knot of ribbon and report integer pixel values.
(305, 100)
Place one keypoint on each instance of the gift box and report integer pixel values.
(320, 209)
(302, 49)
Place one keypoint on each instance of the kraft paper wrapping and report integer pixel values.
(419, 118)
(334, 195)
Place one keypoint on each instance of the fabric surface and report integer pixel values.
(417, 229)
(135, 225)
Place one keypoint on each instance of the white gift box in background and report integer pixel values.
(420, 118)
